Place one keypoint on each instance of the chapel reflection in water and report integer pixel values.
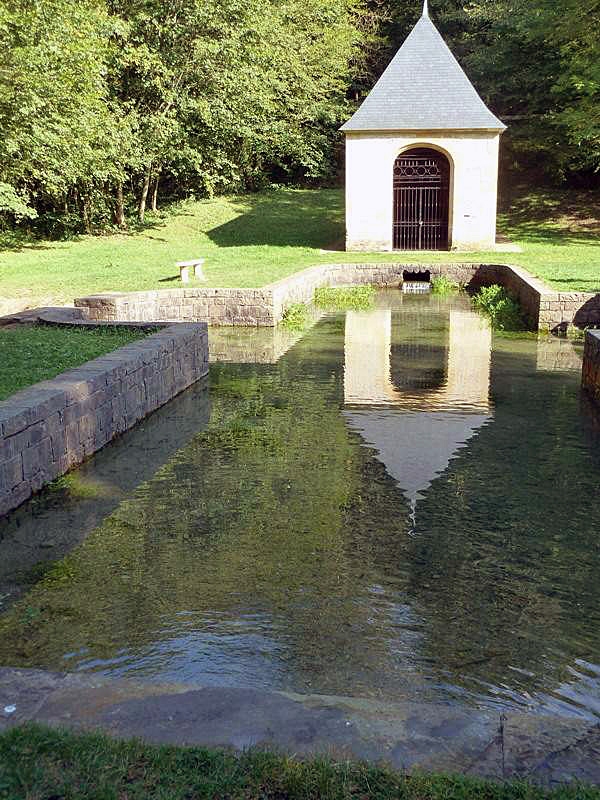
(416, 401)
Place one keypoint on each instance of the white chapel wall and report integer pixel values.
(473, 189)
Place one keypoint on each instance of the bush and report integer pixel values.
(504, 312)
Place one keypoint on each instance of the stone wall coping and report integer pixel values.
(164, 294)
(51, 427)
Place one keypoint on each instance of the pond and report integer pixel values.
(402, 505)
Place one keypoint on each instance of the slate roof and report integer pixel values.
(423, 88)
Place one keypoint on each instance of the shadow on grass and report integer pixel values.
(16, 241)
(285, 218)
(562, 217)
(570, 281)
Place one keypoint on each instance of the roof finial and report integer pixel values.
(425, 8)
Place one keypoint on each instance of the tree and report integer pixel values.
(57, 131)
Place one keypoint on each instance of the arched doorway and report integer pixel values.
(421, 200)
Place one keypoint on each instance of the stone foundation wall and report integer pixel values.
(50, 427)
(546, 308)
(591, 364)
(581, 309)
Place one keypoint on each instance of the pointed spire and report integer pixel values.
(423, 88)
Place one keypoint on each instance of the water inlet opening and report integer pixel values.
(416, 282)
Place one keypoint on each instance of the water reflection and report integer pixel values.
(272, 548)
(375, 368)
(415, 401)
(49, 526)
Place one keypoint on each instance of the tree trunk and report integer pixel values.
(144, 195)
(155, 193)
(119, 206)
(86, 213)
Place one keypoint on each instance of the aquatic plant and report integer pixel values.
(354, 298)
(576, 334)
(295, 317)
(444, 286)
(78, 487)
(504, 311)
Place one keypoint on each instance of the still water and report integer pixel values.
(400, 505)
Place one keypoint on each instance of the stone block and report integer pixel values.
(20, 493)
(19, 419)
(7, 449)
(72, 436)
(36, 458)
(72, 414)
(11, 474)
(58, 441)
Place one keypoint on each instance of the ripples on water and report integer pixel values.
(400, 507)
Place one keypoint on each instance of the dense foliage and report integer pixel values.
(100, 100)
(106, 103)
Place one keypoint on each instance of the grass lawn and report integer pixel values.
(32, 353)
(39, 763)
(254, 239)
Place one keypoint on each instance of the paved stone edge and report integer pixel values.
(406, 734)
(53, 426)
(591, 364)
(546, 308)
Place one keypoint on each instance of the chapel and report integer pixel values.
(422, 155)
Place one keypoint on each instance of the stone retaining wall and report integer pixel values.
(546, 308)
(251, 307)
(50, 427)
(591, 364)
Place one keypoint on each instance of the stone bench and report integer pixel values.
(185, 266)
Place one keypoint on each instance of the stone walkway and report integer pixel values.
(66, 315)
(542, 749)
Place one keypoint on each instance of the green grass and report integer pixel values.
(559, 231)
(255, 239)
(36, 762)
(38, 352)
(356, 298)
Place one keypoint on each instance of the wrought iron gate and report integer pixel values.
(421, 198)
